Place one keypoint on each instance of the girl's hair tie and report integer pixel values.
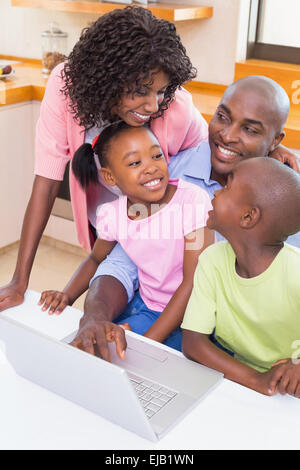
(95, 141)
(96, 158)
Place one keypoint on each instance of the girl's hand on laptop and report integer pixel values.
(55, 300)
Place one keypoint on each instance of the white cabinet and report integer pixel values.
(17, 136)
(16, 167)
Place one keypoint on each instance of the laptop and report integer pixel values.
(147, 393)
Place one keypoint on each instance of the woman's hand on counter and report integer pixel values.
(10, 296)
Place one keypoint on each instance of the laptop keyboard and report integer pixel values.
(152, 395)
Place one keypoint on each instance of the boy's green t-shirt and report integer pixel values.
(258, 319)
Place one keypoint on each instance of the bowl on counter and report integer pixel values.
(6, 71)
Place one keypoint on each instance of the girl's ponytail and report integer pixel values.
(84, 166)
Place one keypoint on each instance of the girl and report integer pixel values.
(160, 223)
(128, 65)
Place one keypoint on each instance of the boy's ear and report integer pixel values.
(108, 176)
(276, 141)
(250, 218)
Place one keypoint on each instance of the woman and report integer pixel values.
(128, 65)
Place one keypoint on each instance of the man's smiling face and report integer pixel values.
(242, 127)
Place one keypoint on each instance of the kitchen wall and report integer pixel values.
(213, 44)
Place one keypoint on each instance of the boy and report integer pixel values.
(248, 289)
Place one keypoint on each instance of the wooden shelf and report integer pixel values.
(164, 11)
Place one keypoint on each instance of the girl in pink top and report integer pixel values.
(160, 223)
(128, 65)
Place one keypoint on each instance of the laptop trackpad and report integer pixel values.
(146, 349)
(139, 354)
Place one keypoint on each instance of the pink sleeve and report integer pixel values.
(181, 127)
(106, 222)
(196, 128)
(195, 210)
(51, 144)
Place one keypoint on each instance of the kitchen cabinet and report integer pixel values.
(17, 136)
(16, 168)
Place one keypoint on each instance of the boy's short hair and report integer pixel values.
(276, 191)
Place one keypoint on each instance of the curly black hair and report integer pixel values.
(117, 54)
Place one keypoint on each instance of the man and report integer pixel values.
(248, 123)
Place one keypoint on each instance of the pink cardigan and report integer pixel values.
(58, 136)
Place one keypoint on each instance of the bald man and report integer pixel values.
(248, 123)
(247, 290)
